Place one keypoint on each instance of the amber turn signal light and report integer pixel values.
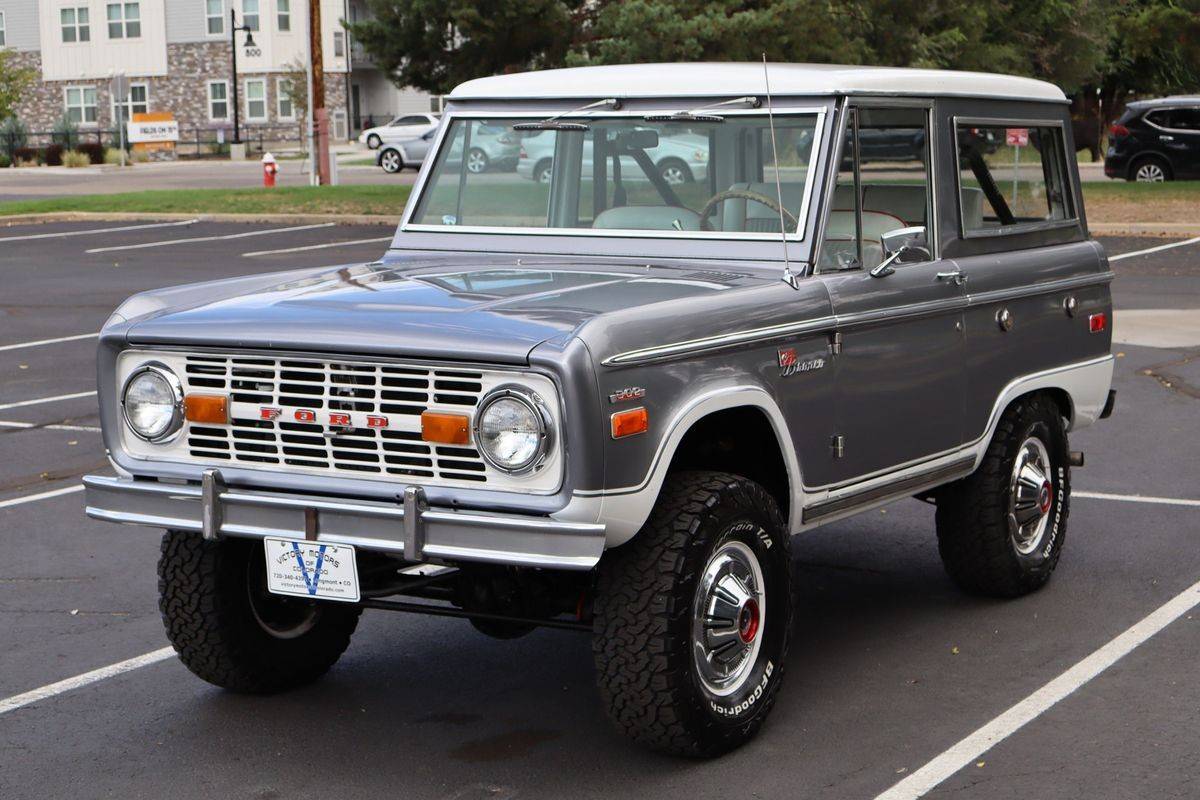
(629, 423)
(445, 428)
(211, 408)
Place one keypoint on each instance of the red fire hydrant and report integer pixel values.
(270, 168)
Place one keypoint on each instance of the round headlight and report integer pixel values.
(153, 403)
(512, 430)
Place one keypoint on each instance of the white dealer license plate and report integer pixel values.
(307, 569)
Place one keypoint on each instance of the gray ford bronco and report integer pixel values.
(602, 391)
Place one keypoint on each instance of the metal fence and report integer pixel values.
(194, 142)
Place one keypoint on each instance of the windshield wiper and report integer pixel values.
(556, 123)
(694, 116)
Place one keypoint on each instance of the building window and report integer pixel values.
(3, 32)
(137, 103)
(250, 14)
(283, 99)
(76, 25)
(256, 100)
(81, 104)
(339, 44)
(218, 100)
(124, 20)
(284, 9)
(214, 13)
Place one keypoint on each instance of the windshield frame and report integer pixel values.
(781, 109)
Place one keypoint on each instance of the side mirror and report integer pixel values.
(428, 136)
(902, 246)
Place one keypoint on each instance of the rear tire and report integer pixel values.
(1150, 169)
(1001, 530)
(715, 548)
(229, 631)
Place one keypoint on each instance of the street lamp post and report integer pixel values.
(233, 32)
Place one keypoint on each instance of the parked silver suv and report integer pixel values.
(607, 401)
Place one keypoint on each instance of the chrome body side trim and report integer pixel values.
(829, 323)
(435, 534)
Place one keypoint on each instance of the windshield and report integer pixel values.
(623, 174)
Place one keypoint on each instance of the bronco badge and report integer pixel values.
(790, 364)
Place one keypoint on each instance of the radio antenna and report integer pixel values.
(788, 278)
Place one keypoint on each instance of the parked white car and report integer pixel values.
(679, 158)
(408, 126)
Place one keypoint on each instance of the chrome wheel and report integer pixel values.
(1150, 172)
(728, 618)
(543, 174)
(373, 141)
(477, 161)
(391, 161)
(1031, 496)
(674, 174)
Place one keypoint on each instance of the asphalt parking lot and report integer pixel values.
(891, 668)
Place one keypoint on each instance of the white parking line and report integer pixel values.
(55, 427)
(79, 681)
(1137, 498)
(966, 751)
(316, 247)
(40, 342)
(33, 498)
(1153, 249)
(246, 235)
(41, 400)
(95, 231)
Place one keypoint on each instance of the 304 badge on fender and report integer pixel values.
(307, 569)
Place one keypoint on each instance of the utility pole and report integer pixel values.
(320, 115)
(233, 32)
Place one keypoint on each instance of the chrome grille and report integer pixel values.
(399, 392)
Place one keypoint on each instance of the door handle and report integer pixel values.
(953, 275)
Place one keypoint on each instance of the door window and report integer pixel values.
(882, 185)
(1011, 177)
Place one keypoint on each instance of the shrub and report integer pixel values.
(140, 156)
(93, 150)
(52, 155)
(24, 156)
(112, 155)
(66, 132)
(13, 135)
(4, 162)
(75, 159)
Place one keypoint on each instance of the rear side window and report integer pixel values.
(1012, 177)
(1179, 119)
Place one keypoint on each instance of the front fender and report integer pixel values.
(624, 510)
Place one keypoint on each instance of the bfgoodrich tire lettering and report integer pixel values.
(649, 674)
(982, 546)
(231, 635)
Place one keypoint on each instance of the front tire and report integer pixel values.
(373, 141)
(477, 161)
(1001, 530)
(391, 161)
(692, 617)
(230, 631)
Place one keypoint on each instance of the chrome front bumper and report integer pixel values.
(409, 528)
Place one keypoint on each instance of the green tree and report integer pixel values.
(14, 81)
(436, 44)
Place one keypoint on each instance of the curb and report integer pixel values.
(114, 216)
(1144, 228)
(1159, 229)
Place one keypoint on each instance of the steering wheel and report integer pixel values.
(744, 194)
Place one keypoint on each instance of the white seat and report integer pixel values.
(647, 218)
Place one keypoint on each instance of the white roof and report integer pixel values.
(733, 79)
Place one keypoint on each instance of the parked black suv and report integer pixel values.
(1156, 140)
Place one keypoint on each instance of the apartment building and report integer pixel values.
(374, 99)
(176, 55)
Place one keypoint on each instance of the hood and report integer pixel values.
(485, 308)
